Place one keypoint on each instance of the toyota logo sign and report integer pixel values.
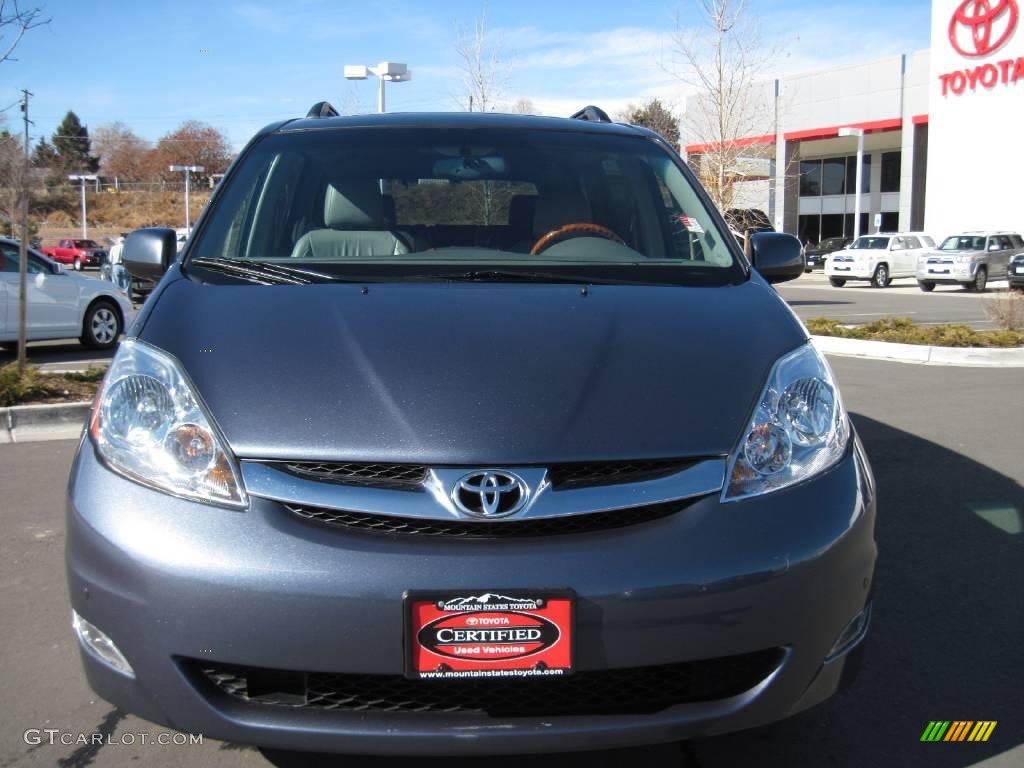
(490, 493)
(979, 27)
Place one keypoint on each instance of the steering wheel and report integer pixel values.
(569, 231)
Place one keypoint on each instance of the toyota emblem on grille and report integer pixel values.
(490, 493)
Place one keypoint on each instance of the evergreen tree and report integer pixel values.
(655, 116)
(71, 140)
(44, 155)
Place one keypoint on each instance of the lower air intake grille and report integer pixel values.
(641, 690)
(489, 529)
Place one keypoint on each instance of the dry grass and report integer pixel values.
(111, 213)
(1006, 310)
(902, 330)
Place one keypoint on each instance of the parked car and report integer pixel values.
(969, 259)
(879, 258)
(60, 304)
(1015, 273)
(77, 253)
(817, 254)
(460, 482)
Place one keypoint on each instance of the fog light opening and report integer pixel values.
(852, 634)
(100, 645)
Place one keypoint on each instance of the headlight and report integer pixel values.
(799, 428)
(150, 425)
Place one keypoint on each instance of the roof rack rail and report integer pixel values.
(322, 109)
(592, 114)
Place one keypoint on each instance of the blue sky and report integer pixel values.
(240, 65)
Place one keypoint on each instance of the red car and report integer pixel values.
(78, 253)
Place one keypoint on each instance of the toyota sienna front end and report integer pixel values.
(456, 434)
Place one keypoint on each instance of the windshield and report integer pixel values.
(870, 243)
(85, 244)
(832, 243)
(963, 243)
(363, 202)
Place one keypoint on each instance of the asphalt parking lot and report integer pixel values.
(857, 302)
(945, 641)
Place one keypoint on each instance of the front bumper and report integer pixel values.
(850, 270)
(947, 274)
(171, 580)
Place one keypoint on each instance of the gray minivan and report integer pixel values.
(467, 433)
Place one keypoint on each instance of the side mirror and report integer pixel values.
(776, 256)
(149, 252)
(58, 268)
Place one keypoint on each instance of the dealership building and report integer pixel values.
(941, 133)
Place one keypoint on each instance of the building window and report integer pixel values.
(831, 225)
(890, 222)
(810, 178)
(833, 176)
(891, 171)
(810, 229)
(851, 174)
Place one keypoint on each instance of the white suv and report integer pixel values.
(879, 258)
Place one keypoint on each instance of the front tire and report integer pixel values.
(837, 282)
(881, 277)
(102, 326)
(980, 280)
(77, 264)
(926, 287)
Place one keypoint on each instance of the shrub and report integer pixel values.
(902, 330)
(15, 389)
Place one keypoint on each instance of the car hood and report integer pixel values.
(472, 374)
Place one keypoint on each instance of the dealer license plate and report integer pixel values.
(1018, 270)
(938, 271)
(842, 269)
(480, 634)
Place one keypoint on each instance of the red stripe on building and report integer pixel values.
(920, 119)
(696, 149)
(873, 126)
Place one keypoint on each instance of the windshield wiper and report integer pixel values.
(266, 273)
(523, 276)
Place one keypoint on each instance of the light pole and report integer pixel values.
(859, 133)
(386, 71)
(83, 178)
(189, 170)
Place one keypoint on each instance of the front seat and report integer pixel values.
(354, 225)
(554, 208)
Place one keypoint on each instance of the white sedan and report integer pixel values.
(61, 304)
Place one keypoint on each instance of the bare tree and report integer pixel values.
(723, 60)
(122, 153)
(13, 180)
(14, 23)
(191, 143)
(524, 106)
(482, 65)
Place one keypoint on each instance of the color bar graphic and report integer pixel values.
(958, 730)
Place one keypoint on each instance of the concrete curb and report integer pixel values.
(975, 357)
(32, 423)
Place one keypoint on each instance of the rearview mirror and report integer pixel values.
(149, 252)
(777, 256)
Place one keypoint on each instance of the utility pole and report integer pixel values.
(23, 245)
